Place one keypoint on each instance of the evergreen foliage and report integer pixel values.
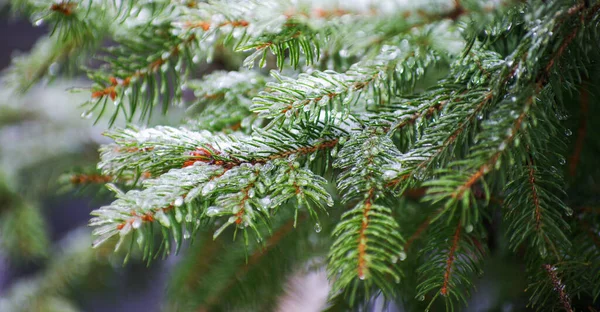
(392, 141)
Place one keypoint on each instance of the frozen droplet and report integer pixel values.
(569, 211)
(53, 69)
(288, 113)
(502, 146)
(265, 202)
(163, 219)
(208, 187)
(543, 251)
(318, 227)
(137, 222)
(469, 228)
(86, 114)
(562, 160)
(568, 132)
(178, 202)
(251, 193)
(402, 256)
(212, 211)
(330, 201)
(389, 174)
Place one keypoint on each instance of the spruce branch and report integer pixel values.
(428, 118)
(367, 243)
(449, 259)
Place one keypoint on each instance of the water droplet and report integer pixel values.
(265, 202)
(86, 114)
(39, 22)
(469, 228)
(569, 211)
(178, 202)
(402, 256)
(389, 174)
(137, 222)
(543, 251)
(53, 69)
(421, 298)
(318, 227)
(186, 234)
(568, 132)
(163, 219)
(209, 187)
(394, 259)
(361, 276)
(562, 160)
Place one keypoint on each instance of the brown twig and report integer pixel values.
(450, 261)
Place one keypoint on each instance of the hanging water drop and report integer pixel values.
(469, 228)
(178, 202)
(421, 298)
(562, 160)
(137, 222)
(569, 211)
(318, 227)
(86, 114)
(568, 132)
(402, 256)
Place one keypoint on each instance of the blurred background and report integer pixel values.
(43, 225)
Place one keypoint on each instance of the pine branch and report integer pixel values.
(237, 174)
(450, 257)
(367, 243)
